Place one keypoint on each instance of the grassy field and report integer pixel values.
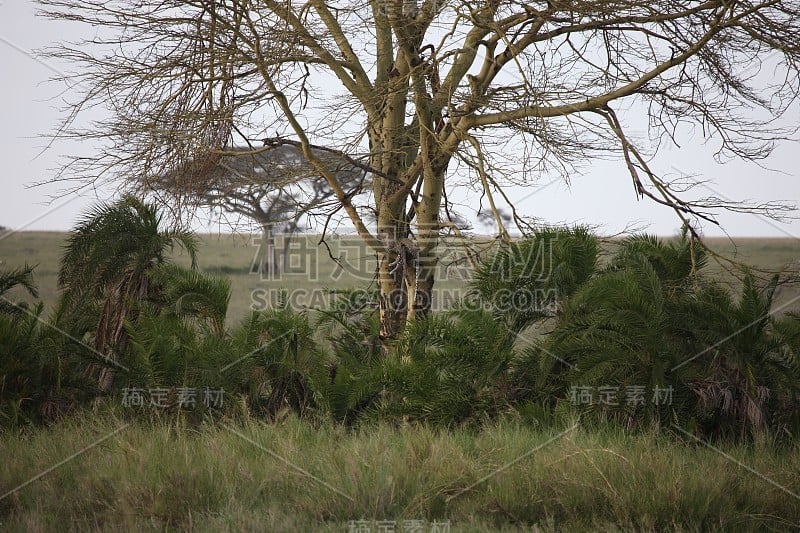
(295, 476)
(311, 270)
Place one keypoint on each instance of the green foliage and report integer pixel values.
(193, 294)
(650, 321)
(355, 372)
(108, 264)
(527, 281)
(23, 366)
(449, 369)
(39, 380)
(11, 279)
(624, 330)
(675, 263)
(280, 360)
(544, 320)
(167, 351)
(746, 364)
(787, 385)
(115, 241)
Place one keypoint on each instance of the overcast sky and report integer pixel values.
(601, 196)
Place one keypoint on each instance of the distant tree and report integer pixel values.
(273, 186)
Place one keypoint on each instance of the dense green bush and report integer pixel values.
(549, 322)
(40, 378)
(660, 342)
(280, 360)
(527, 281)
(350, 328)
(449, 369)
(107, 271)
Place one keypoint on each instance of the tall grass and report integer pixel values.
(298, 476)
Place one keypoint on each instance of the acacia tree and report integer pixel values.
(275, 188)
(414, 88)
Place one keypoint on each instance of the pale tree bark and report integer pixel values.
(402, 89)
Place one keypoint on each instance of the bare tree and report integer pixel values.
(276, 188)
(426, 89)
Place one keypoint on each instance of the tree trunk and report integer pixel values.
(427, 241)
(283, 264)
(267, 266)
(289, 231)
(393, 299)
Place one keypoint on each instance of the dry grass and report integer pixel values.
(294, 476)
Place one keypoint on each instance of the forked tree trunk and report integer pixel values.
(283, 262)
(407, 268)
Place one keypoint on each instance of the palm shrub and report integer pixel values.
(446, 368)
(651, 339)
(354, 381)
(25, 369)
(21, 366)
(170, 353)
(12, 279)
(786, 416)
(747, 361)
(179, 336)
(38, 377)
(617, 351)
(528, 281)
(178, 340)
(620, 338)
(677, 264)
(107, 264)
(279, 360)
(192, 295)
(449, 369)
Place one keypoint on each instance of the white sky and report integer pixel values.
(602, 196)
